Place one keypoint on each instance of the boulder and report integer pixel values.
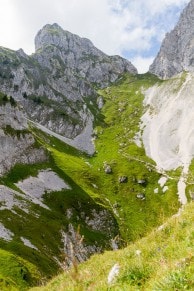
(140, 196)
(141, 182)
(123, 179)
(107, 169)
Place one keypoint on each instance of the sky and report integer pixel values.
(133, 29)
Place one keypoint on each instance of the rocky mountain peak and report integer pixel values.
(58, 84)
(177, 49)
(78, 52)
(54, 35)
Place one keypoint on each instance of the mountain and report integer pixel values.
(48, 211)
(57, 84)
(93, 158)
(177, 49)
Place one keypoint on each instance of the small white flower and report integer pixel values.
(138, 252)
(113, 273)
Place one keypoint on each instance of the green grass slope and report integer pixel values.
(92, 188)
(163, 260)
(17, 273)
(42, 227)
(114, 135)
(115, 146)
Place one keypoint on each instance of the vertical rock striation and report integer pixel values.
(177, 50)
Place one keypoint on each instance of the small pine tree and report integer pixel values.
(25, 95)
(12, 101)
(5, 99)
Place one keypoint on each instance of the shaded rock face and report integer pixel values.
(57, 84)
(16, 142)
(177, 50)
(75, 248)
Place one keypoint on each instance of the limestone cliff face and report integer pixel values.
(177, 50)
(56, 84)
(16, 142)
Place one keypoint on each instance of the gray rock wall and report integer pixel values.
(177, 50)
(16, 142)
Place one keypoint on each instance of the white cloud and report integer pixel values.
(7, 15)
(114, 26)
(142, 63)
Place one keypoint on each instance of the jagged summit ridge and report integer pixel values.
(53, 34)
(79, 54)
(177, 50)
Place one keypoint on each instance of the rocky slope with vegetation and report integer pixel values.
(57, 84)
(64, 197)
(76, 204)
(49, 213)
(16, 141)
(163, 260)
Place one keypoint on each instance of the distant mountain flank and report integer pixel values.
(177, 50)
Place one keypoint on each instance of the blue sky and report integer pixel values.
(131, 28)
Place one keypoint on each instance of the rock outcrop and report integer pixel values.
(16, 141)
(79, 59)
(177, 51)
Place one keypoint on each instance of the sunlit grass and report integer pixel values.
(161, 261)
